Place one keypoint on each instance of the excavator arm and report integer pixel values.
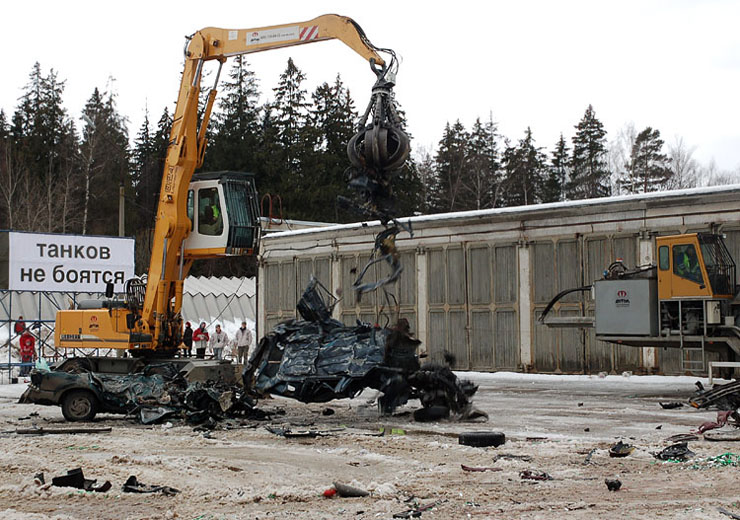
(159, 318)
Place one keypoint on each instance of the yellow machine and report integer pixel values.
(687, 301)
(213, 216)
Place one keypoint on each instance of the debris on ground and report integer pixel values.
(682, 437)
(678, 452)
(318, 359)
(346, 491)
(418, 510)
(621, 449)
(723, 434)
(473, 469)
(60, 431)
(723, 397)
(590, 454)
(288, 433)
(132, 485)
(481, 439)
(76, 479)
(725, 459)
(728, 513)
(512, 456)
(613, 484)
(534, 475)
(722, 418)
(671, 405)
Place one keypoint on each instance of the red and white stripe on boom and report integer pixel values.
(309, 33)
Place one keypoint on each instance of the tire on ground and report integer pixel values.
(79, 405)
(482, 439)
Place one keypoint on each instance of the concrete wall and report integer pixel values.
(475, 282)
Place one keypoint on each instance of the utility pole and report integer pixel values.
(121, 211)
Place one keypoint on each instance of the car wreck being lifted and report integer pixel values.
(318, 359)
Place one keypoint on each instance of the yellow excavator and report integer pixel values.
(206, 215)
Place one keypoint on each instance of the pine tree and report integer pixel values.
(450, 163)
(649, 167)
(324, 151)
(589, 169)
(290, 111)
(557, 176)
(525, 169)
(148, 157)
(234, 133)
(481, 176)
(41, 158)
(105, 155)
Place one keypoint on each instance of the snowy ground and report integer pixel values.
(250, 473)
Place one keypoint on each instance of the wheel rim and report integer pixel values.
(80, 406)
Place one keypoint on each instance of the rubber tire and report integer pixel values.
(79, 405)
(481, 439)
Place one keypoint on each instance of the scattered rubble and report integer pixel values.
(678, 452)
(534, 475)
(621, 449)
(344, 490)
(132, 485)
(478, 470)
(613, 484)
(75, 479)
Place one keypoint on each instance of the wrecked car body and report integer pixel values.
(318, 359)
(154, 393)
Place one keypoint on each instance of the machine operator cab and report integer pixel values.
(222, 208)
(696, 265)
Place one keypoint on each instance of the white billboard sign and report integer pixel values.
(48, 262)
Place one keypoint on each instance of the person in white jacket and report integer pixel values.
(219, 340)
(243, 340)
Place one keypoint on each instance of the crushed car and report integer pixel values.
(152, 393)
(318, 359)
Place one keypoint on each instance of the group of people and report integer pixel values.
(216, 342)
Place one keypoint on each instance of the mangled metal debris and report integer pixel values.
(318, 359)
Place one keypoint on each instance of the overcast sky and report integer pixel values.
(672, 65)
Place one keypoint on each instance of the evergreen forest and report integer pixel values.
(62, 173)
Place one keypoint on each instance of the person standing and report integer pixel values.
(200, 338)
(187, 340)
(218, 342)
(20, 326)
(27, 345)
(243, 340)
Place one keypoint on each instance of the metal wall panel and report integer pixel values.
(437, 335)
(544, 280)
(271, 279)
(436, 280)
(508, 355)
(287, 287)
(506, 274)
(483, 340)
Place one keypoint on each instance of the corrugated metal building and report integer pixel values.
(474, 282)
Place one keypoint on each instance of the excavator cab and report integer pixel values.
(224, 216)
(696, 265)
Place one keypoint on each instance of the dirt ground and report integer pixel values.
(250, 473)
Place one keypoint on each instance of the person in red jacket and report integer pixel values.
(19, 326)
(200, 338)
(27, 350)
